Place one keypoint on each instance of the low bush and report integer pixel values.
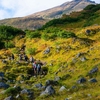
(31, 51)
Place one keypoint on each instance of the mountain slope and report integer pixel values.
(66, 8)
(70, 57)
(36, 20)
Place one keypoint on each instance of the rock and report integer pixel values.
(83, 59)
(39, 86)
(57, 78)
(73, 87)
(50, 82)
(93, 80)
(22, 36)
(74, 60)
(62, 88)
(51, 64)
(48, 91)
(1, 74)
(47, 51)
(9, 98)
(4, 61)
(94, 70)
(81, 80)
(78, 55)
(28, 93)
(1, 78)
(3, 85)
(18, 96)
(88, 32)
(25, 91)
(66, 99)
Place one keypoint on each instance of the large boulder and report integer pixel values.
(48, 91)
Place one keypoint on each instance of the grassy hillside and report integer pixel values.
(70, 56)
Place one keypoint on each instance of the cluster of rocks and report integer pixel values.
(2, 83)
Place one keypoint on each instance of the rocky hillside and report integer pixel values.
(36, 20)
(53, 63)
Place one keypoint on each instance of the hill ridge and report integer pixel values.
(31, 21)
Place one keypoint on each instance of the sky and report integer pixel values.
(20, 8)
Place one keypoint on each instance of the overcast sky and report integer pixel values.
(19, 8)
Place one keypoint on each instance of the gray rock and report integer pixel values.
(39, 86)
(1, 78)
(3, 85)
(74, 60)
(62, 88)
(66, 99)
(57, 78)
(93, 80)
(48, 91)
(81, 80)
(4, 61)
(25, 91)
(88, 32)
(9, 98)
(94, 70)
(50, 82)
(29, 93)
(78, 55)
(83, 59)
(47, 51)
(73, 87)
(1, 74)
(18, 96)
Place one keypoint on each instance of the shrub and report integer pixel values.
(45, 36)
(31, 51)
(12, 90)
(8, 32)
(33, 34)
(65, 34)
(16, 50)
(9, 45)
(1, 44)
